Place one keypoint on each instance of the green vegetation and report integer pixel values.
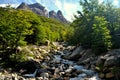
(97, 26)
(101, 40)
(20, 27)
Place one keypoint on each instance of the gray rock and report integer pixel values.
(44, 75)
(76, 54)
(82, 75)
(88, 72)
(78, 67)
(110, 61)
(100, 61)
(68, 70)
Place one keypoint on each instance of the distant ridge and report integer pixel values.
(41, 10)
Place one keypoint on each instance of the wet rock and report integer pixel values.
(78, 67)
(69, 70)
(88, 72)
(83, 75)
(44, 75)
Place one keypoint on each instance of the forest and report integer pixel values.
(97, 26)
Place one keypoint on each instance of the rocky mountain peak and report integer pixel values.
(61, 17)
(37, 5)
(53, 14)
(41, 10)
(23, 6)
(59, 13)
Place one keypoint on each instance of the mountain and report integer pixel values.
(60, 16)
(53, 14)
(41, 10)
(23, 6)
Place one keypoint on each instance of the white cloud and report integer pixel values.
(100, 1)
(3, 5)
(12, 5)
(58, 3)
(69, 9)
(115, 2)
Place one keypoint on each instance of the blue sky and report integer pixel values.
(68, 7)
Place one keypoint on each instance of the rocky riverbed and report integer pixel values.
(63, 63)
(52, 67)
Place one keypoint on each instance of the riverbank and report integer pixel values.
(59, 63)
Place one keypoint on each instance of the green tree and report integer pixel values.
(86, 21)
(14, 26)
(101, 39)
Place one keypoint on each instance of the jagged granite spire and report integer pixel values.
(23, 6)
(53, 14)
(39, 9)
(61, 17)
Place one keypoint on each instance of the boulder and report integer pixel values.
(110, 61)
(100, 61)
(87, 57)
(76, 54)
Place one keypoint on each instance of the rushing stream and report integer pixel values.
(84, 75)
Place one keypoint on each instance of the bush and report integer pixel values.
(19, 57)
